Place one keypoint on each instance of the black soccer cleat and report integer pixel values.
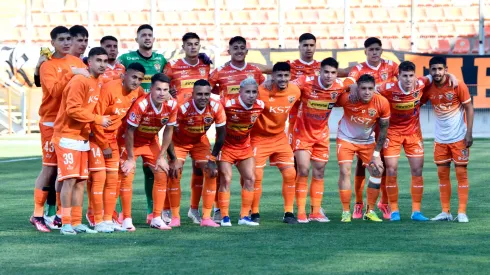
(255, 217)
(289, 218)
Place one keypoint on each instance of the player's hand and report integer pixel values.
(162, 164)
(107, 153)
(453, 81)
(353, 95)
(173, 92)
(175, 168)
(81, 71)
(106, 121)
(205, 58)
(468, 140)
(268, 84)
(128, 166)
(211, 168)
(42, 59)
(377, 166)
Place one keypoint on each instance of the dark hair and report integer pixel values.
(160, 77)
(202, 82)
(57, 31)
(236, 39)
(190, 35)
(144, 27)
(136, 67)
(96, 51)
(78, 30)
(108, 38)
(281, 66)
(330, 61)
(406, 66)
(306, 36)
(437, 60)
(372, 40)
(366, 78)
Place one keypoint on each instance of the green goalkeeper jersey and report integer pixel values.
(153, 65)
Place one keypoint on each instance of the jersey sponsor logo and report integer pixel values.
(291, 99)
(405, 106)
(449, 96)
(149, 129)
(279, 109)
(120, 111)
(189, 83)
(320, 104)
(195, 129)
(360, 120)
(233, 89)
(465, 155)
(372, 112)
(202, 71)
(93, 99)
(146, 79)
(240, 127)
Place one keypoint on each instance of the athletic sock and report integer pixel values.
(247, 198)
(392, 190)
(39, 200)
(463, 188)
(65, 215)
(149, 179)
(224, 203)
(316, 194)
(301, 194)
(384, 194)
(372, 195)
(209, 192)
(196, 190)
(126, 194)
(90, 197)
(259, 174)
(51, 199)
(417, 189)
(97, 190)
(216, 200)
(159, 193)
(359, 188)
(109, 196)
(288, 188)
(443, 172)
(174, 196)
(76, 215)
(345, 198)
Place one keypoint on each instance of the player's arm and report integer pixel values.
(265, 69)
(76, 110)
(98, 130)
(344, 72)
(384, 123)
(130, 163)
(166, 141)
(211, 166)
(465, 98)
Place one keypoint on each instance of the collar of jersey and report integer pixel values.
(306, 63)
(155, 108)
(403, 91)
(239, 69)
(144, 57)
(197, 109)
(110, 66)
(374, 68)
(243, 104)
(321, 84)
(185, 62)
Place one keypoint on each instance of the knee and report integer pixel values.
(392, 170)
(345, 173)
(303, 171)
(417, 171)
(318, 172)
(197, 171)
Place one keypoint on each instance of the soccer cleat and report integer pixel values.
(120, 218)
(127, 224)
(417, 216)
(318, 217)
(358, 208)
(395, 216)
(346, 216)
(385, 209)
(104, 227)
(226, 221)
(247, 221)
(371, 216)
(462, 218)
(302, 218)
(194, 215)
(57, 222)
(115, 218)
(217, 215)
(289, 218)
(39, 224)
(149, 217)
(49, 222)
(166, 216)
(443, 216)
(158, 223)
(175, 222)
(82, 228)
(208, 223)
(255, 217)
(116, 227)
(90, 218)
(67, 229)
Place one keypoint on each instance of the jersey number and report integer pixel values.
(48, 147)
(96, 152)
(68, 158)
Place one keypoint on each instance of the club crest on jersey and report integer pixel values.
(416, 94)
(317, 72)
(449, 96)
(157, 66)
(291, 99)
(334, 95)
(202, 71)
(254, 117)
(208, 120)
(164, 120)
(372, 112)
(384, 76)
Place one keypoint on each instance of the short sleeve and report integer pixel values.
(214, 77)
(300, 82)
(167, 70)
(135, 113)
(220, 116)
(172, 120)
(463, 93)
(385, 108)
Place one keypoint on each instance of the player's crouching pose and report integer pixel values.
(148, 115)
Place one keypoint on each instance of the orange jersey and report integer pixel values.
(55, 75)
(405, 106)
(113, 72)
(386, 71)
(239, 121)
(299, 68)
(77, 108)
(193, 123)
(447, 102)
(317, 102)
(229, 77)
(114, 101)
(183, 75)
(357, 123)
(277, 105)
(148, 120)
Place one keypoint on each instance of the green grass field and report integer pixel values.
(272, 248)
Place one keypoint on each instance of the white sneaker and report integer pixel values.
(443, 216)
(225, 221)
(462, 217)
(217, 215)
(82, 228)
(128, 225)
(166, 216)
(103, 227)
(194, 215)
(116, 227)
(158, 223)
(247, 221)
(49, 222)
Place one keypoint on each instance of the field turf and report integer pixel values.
(272, 248)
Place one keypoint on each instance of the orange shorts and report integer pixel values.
(71, 163)
(199, 152)
(96, 160)
(49, 155)
(412, 144)
(149, 154)
(276, 149)
(346, 151)
(319, 150)
(233, 155)
(447, 152)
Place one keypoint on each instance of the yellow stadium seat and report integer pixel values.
(127, 34)
(201, 5)
(164, 33)
(319, 31)
(330, 16)
(399, 14)
(250, 33)
(420, 15)
(241, 17)
(57, 19)
(206, 18)
(37, 6)
(445, 30)
(357, 31)
(405, 30)
(380, 15)
(225, 18)
(355, 3)
(268, 4)
(104, 18)
(465, 29)
(389, 31)
(435, 14)
(13, 35)
(318, 4)
(42, 34)
(171, 18)
(139, 18)
(336, 31)
(40, 19)
(294, 17)
(461, 46)
(259, 17)
(361, 15)
(310, 17)
(300, 29)
(473, 13)
(454, 14)
(401, 44)
(427, 30)
(269, 32)
(122, 18)
(371, 3)
(251, 4)
(73, 18)
(70, 6)
(330, 44)
(273, 17)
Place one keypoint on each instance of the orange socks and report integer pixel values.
(76, 215)
(288, 188)
(392, 190)
(66, 215)
(196, 190)
(384, 194)
(463, 188)
(109, 196)
(259, 174)
(301, 194)
(345, 198)
(224, 203)
(90, 197)
(159, 192)
(40, 197)
(126, 193)
(247, 198)
(174, 196)
(359, 188)
(417, 189)
(372, 194)
(97, 190)
(444, 187)
(208, 194)
(316, 194)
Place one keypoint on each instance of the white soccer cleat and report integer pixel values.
(166, 216)
(104, 227)
(158, 223)
(128, 225)
(247, 221)
(82, 228)
(443, 216)
(49, 222)
(225, 221)
(194, 215)
(116, 226)
(462, 217)
(217, 215)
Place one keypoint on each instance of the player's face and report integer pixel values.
(373, 53)
(248, 94)
(238, 51)
(111, 48)
(132, 79)
(438, 71)
(145, 39)
(328, 75)
(366, 91)
(201, 96)
(62, 43)
(97, 64)
(191, 47)
(281, 79)
(160, 92)
(307, 48)
(79, 44)
(407, 79)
